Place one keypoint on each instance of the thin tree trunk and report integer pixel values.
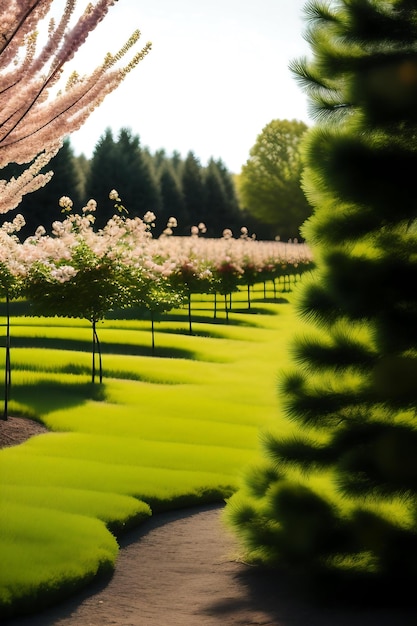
(226, 308)
(7, 365)
(100, 363)
(93, 364)
(190, 325)
(96, 350)
(153, 333)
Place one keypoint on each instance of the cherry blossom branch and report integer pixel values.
(33, 118)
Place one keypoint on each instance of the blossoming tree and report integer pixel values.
(35, 114)
(79, 272)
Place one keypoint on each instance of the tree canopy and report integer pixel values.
(270, 181)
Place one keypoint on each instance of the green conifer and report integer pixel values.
(335, 502)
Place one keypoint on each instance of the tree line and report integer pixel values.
(167, 185)
(265, 198)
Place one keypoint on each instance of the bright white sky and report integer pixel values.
(217, 74)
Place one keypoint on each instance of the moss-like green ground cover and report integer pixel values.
(162, 431)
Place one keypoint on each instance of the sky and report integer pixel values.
(216, 76)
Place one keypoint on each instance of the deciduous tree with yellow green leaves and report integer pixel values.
(270, 181)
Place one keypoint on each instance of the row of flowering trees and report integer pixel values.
(78, 271)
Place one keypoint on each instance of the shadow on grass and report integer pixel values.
(109, 372)
(76, 345)
(220, 320)
(200, 318)
(271, 301)
(197, 332)
(46, 396)
(253, 310)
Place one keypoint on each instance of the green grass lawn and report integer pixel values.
(162, 431)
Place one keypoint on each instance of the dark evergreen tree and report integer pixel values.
(229, 187)
(215, 214)
(41, 208)
(335, 501)
(172, 197)
(124, 166)
(100, 179)
(159, 160)
(177, 162)
(193, 188)
(221, 210)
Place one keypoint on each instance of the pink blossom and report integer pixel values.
(34, 114)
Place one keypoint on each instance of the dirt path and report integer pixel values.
(180, 569)
(15, 430)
